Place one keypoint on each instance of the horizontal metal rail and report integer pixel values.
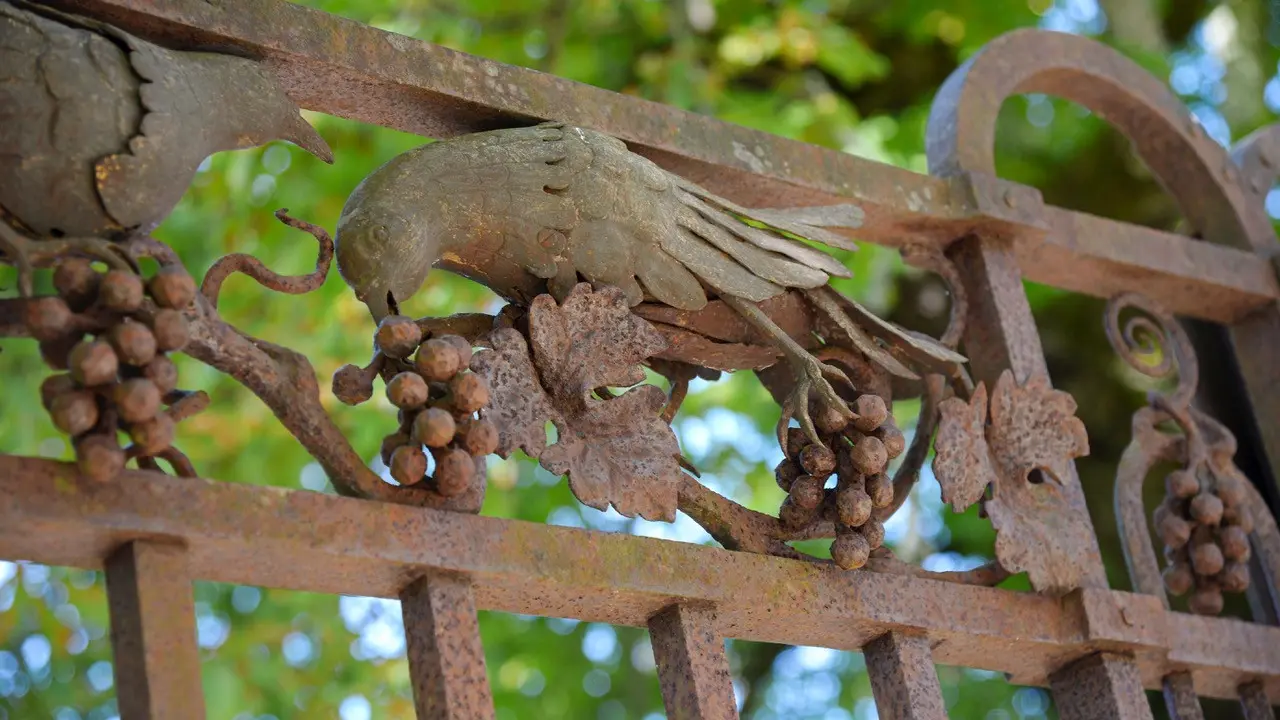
(309, 541)
(337, 66)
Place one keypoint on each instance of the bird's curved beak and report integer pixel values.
(380, 306)
(307, 138)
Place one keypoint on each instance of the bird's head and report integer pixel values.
(382, 254)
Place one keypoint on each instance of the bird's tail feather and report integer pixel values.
(807, 223)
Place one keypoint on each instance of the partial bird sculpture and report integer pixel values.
(531, 210)
(101, 132)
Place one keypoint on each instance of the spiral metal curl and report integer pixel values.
(1144, 335)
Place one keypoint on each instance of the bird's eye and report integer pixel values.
(380, 233)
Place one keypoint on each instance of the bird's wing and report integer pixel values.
(920, 349)
(793, 224)
(67, 98)
(195, 104)
(765, 239)
(140, 185)
(640, 222)
(502, 189)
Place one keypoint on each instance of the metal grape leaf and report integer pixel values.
(1035, 427)
(1032, 427)
(518, 406)
(620, 451)
(590, 340)
(615, 452)
(963, 461)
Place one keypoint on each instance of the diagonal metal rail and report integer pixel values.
(344, 68)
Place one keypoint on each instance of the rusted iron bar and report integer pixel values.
(1254, 339)
(341, 67)
(1254, 704)
(1103, 258)
(1180, 697)
(1104, 686)
(1197, 172)
(446, 658)
(320, 543)
(153, 632)
(692, 667)
(903, 679)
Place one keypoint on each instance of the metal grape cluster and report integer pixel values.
(864, 445)
(1205, 529)
(429, 380)
(111, 333)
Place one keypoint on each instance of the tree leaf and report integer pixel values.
(843, 54)
(963, 463)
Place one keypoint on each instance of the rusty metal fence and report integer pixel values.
(1096, 648)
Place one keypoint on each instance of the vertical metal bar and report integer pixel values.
(1000, 334)
(1102, 686)
(1253, 343)
(1262, 596)
(1180, 697)
(446, 658)
(1240, 387)
(692, 667)
(903, 678)
(153, 633)
(1254, 702)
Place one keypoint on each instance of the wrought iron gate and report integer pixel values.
(1096, 648)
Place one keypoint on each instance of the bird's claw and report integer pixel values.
(811, 377)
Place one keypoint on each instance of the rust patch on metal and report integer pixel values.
(1180, 697)
(153, 632)
(446, 659)
(1254, 703)
(1102, 685)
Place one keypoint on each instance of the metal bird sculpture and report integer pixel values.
(531, 210)
(114, 127)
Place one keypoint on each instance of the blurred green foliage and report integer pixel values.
(855, 75)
